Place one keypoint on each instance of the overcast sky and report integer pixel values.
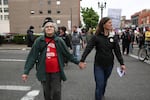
(129, 7)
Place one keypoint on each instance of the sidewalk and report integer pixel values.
(14, 47)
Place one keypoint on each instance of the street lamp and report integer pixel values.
(101, 6)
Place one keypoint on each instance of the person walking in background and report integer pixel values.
(132, 41)
(84, 35)
(147, 36)
(126, 40)
(90, 34)
(49, 50)
(66, 38)
(76, 39)
(105, 44)
(30, 36)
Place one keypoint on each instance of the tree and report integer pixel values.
(90, 17)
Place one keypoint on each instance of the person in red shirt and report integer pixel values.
(50, 64)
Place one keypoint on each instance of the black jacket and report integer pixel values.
(126, 38)
(105, 46)
(66, 38)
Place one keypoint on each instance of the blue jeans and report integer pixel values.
(76, 51)
(101, 74)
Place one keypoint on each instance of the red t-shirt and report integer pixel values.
(52, 65)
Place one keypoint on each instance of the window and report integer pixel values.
(58, 21)
(5, 9)
(1, 17)
(40, 12)
(6, 17)
(58, 2)
(58, 12)
(49, 12)
(0, 2)
(1, 10)
(5, 2)
(32, 12)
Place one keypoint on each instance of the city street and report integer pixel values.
(75, 22)
(135, 85)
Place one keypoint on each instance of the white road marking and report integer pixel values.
(23, 49)
(136, 57)
(14, 60)
(31, 95)
(14, 87)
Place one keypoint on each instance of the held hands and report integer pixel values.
(82, 65)
(123, 67)
(24, 77)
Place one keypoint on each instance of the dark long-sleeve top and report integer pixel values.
(65, 37)
(105, 46)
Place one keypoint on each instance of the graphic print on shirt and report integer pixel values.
(50, 51)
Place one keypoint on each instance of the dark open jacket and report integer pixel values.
(33, 55)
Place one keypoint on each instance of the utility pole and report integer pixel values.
(71, 18)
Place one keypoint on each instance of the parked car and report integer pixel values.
(7, 37)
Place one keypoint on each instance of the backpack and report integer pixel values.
(75, 38)
(127, 36)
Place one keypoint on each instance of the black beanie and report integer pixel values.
(31, 27)
(46, 20)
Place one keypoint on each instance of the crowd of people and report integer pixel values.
(52, 52)
(143, 38)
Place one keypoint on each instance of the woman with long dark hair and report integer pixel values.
(106, 46)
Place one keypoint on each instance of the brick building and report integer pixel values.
(23, 13)
(144, 18)
(141, 18)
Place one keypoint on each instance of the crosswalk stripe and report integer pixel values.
(31, 95)
(14, 87)
(14, 60)
(136, 57)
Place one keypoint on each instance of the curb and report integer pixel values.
(15, 48)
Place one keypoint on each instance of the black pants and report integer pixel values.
(52, 86)
(125, 47)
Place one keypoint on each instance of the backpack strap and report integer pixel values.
(41, 51)
(45, 45)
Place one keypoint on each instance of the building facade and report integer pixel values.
(4, 16)
(141, 18)
(144, 18)
(24, 13)
(125, 22)
(135, 19)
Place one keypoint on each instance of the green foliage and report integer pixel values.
(20, 38)
(90, 17)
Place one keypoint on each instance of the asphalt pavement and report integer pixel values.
(80, 85)
(14, 47)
